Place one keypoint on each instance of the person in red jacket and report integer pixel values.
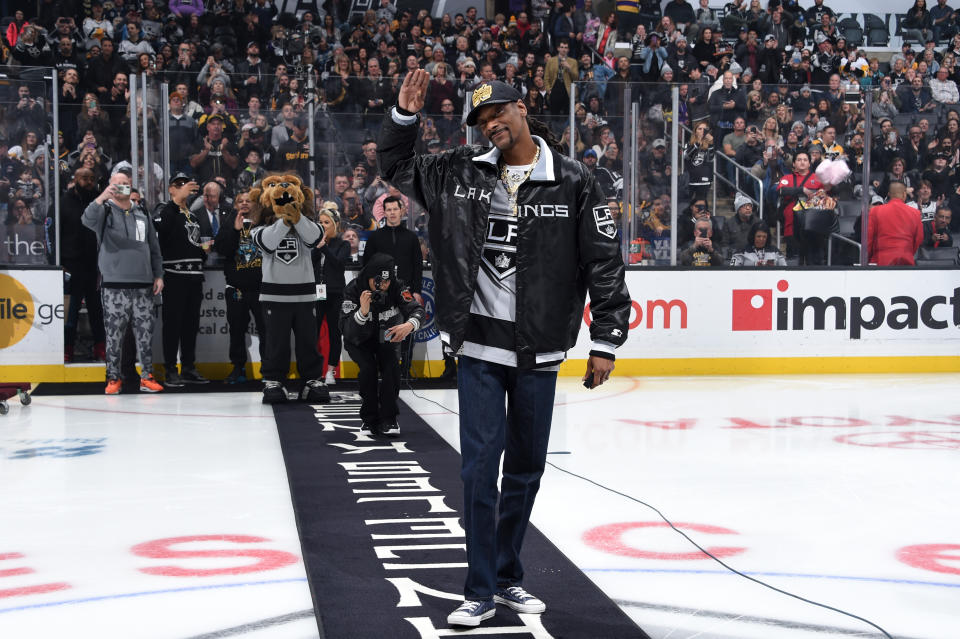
(799, 185)
(894, 230)
(15, 28)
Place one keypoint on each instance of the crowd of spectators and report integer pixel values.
(758, 84)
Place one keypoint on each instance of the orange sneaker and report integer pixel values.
(149, 385)
(114, 386)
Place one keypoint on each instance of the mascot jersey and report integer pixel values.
(287, 263)
(287, 266)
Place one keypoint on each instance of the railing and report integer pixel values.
(337, 131)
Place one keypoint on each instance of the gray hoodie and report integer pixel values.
(129, 251)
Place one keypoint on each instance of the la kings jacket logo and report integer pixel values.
(288, 250)
(606, 225)
(500, 247)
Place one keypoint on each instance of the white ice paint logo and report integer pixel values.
(288, 249)
(606, 225)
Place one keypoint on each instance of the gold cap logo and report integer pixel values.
(481, 94)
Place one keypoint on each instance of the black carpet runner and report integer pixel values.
(382, 541)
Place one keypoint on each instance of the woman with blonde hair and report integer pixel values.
(698, 160)
(330, 257)
(771, 131)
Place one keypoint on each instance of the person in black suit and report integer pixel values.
(211, 214)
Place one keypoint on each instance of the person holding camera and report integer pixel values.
(131, 272)
(378, 312)
(184, 253)
(701, 251)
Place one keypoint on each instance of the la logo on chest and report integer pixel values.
(472, 193)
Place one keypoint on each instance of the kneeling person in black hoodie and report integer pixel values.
(378, 312)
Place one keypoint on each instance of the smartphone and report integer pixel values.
(123, 189)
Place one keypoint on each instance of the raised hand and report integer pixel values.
(413, 91)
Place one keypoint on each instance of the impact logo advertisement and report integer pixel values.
(759, 310)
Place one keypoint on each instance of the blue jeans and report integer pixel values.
(503, 410)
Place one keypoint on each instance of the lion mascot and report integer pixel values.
(288, 292)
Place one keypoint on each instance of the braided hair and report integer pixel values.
(541, 130)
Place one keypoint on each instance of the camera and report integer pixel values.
(379, 297)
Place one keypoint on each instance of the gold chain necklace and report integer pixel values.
(511, 185)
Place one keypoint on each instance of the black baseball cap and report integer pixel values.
(380, 265)
(490, 92)
(180, 179)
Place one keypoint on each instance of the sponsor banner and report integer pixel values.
(775, 314)
(213, 338)
(23, 244)
(31, 317)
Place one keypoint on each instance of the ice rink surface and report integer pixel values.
(170, 516)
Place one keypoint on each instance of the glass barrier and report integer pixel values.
(662, 169)
(29, 166)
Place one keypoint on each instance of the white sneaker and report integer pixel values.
(471, 613)
(518, 599)
(330, 379)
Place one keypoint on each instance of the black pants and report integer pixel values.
(84, 286)
(330, 308)
(280, 318)
(241, 304)
(181, 320)
(379, 399)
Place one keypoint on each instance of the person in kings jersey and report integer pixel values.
(520, 234)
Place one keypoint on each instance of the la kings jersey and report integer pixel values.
(490, 334)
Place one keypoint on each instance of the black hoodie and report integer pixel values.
(403, 246)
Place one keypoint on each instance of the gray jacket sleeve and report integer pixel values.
(156, 257)
(93, 218)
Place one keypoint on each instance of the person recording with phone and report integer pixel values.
(378, 312)
(216, 155)
(184, 253)
(242, 270)
(131, 270)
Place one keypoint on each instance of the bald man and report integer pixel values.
(894, 230)
(132, 276)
